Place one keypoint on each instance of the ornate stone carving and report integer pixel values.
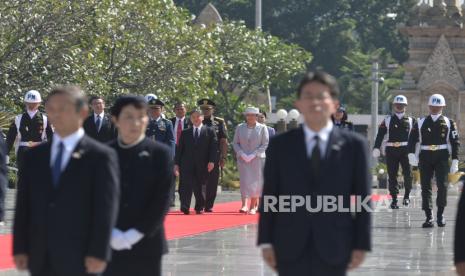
(441, 67)
(208, 16)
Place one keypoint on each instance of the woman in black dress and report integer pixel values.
(138, 240)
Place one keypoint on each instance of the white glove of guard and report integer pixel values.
(7, 160)
(412, 159)
(454, 167)
(376, 153)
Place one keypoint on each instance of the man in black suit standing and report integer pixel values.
(180, 122)
(459, 243)
(195, 158)
(3, 179)
(68, 196)
(99, 125)
(316, 160)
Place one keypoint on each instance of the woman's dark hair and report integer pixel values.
(263, 112)
(321, 77)
(137, 101)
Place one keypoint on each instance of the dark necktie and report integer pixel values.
(97, 123)
(196, 135)
(316, 157)
(56, 171)
(178, 131)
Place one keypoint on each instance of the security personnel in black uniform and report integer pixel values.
(340, 119)
(397, 127)
(218, 124)
(436, 135)
(31, 128)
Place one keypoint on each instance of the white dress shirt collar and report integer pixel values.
(199, 127)
(323, 136)
(101, 115)
(69, 143)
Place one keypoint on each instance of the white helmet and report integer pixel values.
(149, 97)
(32, 96)
(400, 99)
(437, 100)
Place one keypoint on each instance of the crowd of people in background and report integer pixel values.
(101, 184)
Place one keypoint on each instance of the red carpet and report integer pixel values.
(177, 225)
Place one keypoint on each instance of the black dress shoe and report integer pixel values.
(428, 223)
(441, 221)
(394, 205)
(185, 211)
(198, 212)
(406, 202)
(208, 211)
(172, 204)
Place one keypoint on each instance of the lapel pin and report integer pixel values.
(77, 155)
(336, 147)
(144, 153)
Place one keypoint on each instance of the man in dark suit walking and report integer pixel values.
(99, 125)
(68, 195)
(3, 179)
(195, 158)
(316, 160)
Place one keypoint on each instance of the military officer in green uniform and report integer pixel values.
(219, 126)
(395, 129)
(438, 139)
(28, 129)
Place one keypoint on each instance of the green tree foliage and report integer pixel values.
(356, 81)
(112, 47)
(340, 34)
(324, 27)
(250, 61)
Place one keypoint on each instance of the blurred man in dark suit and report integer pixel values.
(459, 246)
(195, 159)
(3, 179)
(68, 196)
(99, 125)
(315, 160)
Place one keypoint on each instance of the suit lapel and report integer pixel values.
(301, 154)
(104, 122)
(48, 168)
(334, 146)
(92, 123)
